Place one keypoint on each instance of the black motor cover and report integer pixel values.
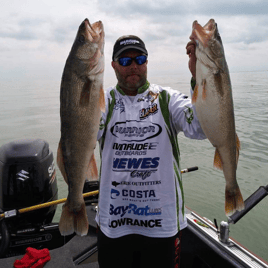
(27, 178)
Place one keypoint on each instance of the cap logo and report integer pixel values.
(128, 42)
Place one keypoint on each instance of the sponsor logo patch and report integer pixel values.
(136, 222)
(136, 183)
(150, 97)
(133, 130)
(119, 105)
(129, 41)
(135, 210)
(132, 193)
(133, 148)
(138, 167)
(189, 114)
(146, 112)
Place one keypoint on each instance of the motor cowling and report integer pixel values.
(27, 178)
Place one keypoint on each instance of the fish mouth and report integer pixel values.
(93, 32)
(203, 34)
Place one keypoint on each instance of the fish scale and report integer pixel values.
(81, 102)
(213, 100)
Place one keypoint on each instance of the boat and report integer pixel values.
(28, 165)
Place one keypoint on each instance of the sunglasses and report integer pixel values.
(126, 61)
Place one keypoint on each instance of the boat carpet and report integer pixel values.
(66, 255)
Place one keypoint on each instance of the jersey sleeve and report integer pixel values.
(104, 114)
(183, 115)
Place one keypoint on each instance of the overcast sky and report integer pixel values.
(36, 36)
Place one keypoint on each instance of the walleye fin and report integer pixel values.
(81, 221)
(238, 146)
(217, 160)
(75, 221)
(102, 100)
(233, 201)
(92, 171)
(194, 97)
(60, 162)
(85, 93)
(204, 91)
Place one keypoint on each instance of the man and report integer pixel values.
(141, 203)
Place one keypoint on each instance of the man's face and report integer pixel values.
(131, 77)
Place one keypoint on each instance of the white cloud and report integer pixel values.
(36, 36)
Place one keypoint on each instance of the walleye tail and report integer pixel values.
(73, 221)
(233, 201)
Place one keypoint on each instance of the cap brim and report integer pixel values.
(127, 48)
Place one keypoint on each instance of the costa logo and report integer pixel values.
(133, 130)
(133, 194)
(114, 194)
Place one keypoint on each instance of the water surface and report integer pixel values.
(31, 110)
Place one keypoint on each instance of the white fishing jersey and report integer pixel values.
(141, 188)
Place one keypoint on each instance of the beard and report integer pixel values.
(131, 82)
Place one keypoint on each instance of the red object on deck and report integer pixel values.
(33, 258)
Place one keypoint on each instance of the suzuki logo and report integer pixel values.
(22, 175)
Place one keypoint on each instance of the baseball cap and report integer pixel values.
(128, 42)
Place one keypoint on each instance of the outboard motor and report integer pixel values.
(27, 178)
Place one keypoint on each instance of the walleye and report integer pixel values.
(212, 98)
(81, 102)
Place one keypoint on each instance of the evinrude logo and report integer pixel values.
(23, 175)
(133, 130)
(134, 148)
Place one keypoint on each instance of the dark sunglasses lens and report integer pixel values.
(125, 61)
(141, 59)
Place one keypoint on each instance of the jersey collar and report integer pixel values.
(140, 90)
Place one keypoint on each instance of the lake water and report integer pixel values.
(31, 110)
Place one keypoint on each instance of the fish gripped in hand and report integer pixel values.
(213, 100)
(81, 102)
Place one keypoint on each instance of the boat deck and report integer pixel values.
(200, 248)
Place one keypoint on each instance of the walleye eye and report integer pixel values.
(81, 38)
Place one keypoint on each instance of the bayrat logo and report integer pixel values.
(133, 130)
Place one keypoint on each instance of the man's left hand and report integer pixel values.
(190, 50)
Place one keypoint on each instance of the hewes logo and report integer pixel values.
(133, 130)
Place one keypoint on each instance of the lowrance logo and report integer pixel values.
(135, 130)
